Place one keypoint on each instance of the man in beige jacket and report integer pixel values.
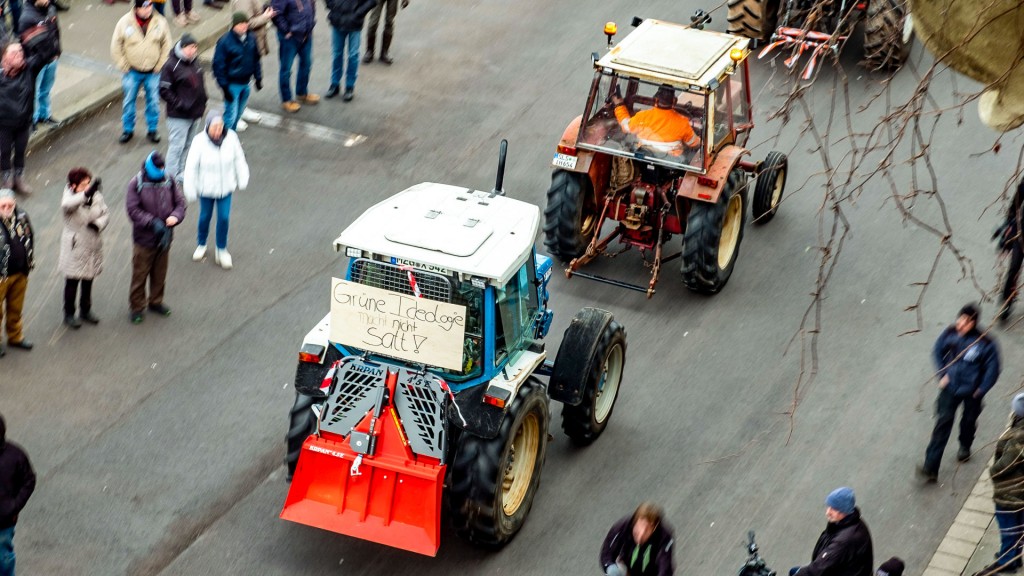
(140, 46)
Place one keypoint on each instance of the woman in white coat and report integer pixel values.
(214, 169)
(81, 248)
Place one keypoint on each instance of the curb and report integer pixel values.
(962, 541)
(97, 101)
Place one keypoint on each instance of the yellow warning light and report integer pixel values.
(611, 29)
(736, 54)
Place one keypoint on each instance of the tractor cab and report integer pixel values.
(470, 249)
(705, 73)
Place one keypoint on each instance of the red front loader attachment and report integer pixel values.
(375, 468)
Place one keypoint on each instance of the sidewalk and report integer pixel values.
(973, 540)
(87, 81)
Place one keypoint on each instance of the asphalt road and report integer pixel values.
(158, 447)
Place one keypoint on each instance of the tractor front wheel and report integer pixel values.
(301, 423)
(493, 481)
(713, 234)
(888, 34)
(584, 422)
(570, 218)
(771, 181)
(754, 19)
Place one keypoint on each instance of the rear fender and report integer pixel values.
(708, 187)
(576, 355)
(315, 349)
(483, 419)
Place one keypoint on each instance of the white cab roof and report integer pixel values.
(664, 52)
(449, 227)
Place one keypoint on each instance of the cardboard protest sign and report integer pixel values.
(397, 325)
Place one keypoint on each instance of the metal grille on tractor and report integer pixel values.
(421, 403)
(397, 279)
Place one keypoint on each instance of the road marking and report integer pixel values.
(317, 131)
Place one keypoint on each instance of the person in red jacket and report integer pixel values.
(661, 128)
(639, 545)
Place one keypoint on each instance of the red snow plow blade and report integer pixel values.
(382, 480)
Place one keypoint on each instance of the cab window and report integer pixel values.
(516, 304)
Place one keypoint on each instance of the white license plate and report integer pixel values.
(564, 161)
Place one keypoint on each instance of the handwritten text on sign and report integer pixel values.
(397, 325)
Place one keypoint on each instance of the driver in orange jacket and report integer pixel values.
(661, 128)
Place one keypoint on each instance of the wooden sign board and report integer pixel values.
(397, 325)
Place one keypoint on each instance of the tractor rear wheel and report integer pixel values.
(493, 481)
(586, 421)
(713, 234)
(301, 423)
(754, 19)
(768, 189)
(888, 34)
(570, 218)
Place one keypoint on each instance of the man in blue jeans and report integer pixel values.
(140, 46)
(17, 481)
(346, 18)
(236, 61)
(294, 20)
(39, 21)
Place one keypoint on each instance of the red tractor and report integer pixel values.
(820, 27)
(660, 152)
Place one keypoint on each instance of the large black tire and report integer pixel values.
(301, 423)
(771, 182)
(888, 34)
(713, 234)
(570, 216)
(482, 509)
(586, 421)
(754, 19)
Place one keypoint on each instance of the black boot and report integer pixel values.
(72, 322)
(332, 91)
(964, 454)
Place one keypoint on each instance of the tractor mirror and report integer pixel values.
(636, 21)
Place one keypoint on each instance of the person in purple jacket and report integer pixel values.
(155, 205)
(967, 365)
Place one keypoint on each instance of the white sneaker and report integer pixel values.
(199, 254)
(250, 115)
(223, 258)
(241, 126)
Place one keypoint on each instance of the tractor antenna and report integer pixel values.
(502, 151)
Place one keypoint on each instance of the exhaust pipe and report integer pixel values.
(502, 151)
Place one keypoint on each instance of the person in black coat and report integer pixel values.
(182, 88)
(967, 365)
(17, 481)
(236, 62)
(346, 18)
(40, 32)
(844, 547)
(639, 545)
(1011, 243)
(18, 72)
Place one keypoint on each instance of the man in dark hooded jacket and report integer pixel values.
(346, 18)
(639, 545)
(155, 205)
(844, 547)
(17, 481)
(181, 87)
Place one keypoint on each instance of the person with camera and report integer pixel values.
(844, 547)
(81, 247)
(639, 545)
(155, 205)
(1011, 244)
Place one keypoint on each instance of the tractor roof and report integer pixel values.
(664, 52)
(456, 229)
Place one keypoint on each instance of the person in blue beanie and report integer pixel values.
(844, 547)
(155, 206)
(967, 365)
